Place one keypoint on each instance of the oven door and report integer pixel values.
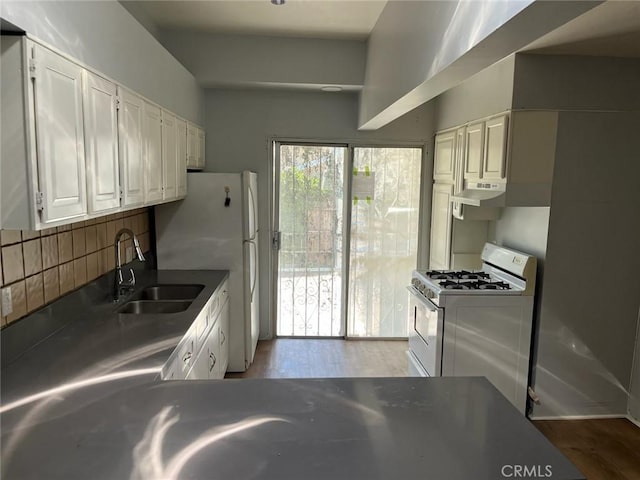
(425, 330)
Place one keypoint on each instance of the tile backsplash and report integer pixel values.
(40, 267)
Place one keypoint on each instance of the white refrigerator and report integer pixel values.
(216, 228)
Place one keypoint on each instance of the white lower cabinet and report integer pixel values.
(203, 353)
(212, 349)
(224, 338)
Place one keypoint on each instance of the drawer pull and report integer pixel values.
(213, 359)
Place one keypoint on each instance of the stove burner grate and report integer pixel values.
(457, 275)
(474, 285)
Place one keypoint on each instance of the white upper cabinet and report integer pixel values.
(195, 147)
(444, 152)
(485, 149)
(152, 138)
(192, 146)
(474, 151)
(77, 145)
(101, 143)
(495, 141)
(181, 161)
(60, 136)
(169, 155)
(201, 149)
(130, 141)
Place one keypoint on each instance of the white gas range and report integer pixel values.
(464, 323)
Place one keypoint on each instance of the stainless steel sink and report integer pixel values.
(170, 292)
(137, 307)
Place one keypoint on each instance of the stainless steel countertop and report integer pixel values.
(94, 339)
(85, 403)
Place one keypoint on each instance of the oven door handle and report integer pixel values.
(425, 301)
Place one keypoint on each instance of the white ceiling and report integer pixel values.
(340, 19)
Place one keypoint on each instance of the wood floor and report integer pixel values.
(607, 449)
(604, 449)
(311, 358)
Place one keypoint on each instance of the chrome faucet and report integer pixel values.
(120, 286)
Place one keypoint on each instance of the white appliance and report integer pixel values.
(216, 228)
(478, 323)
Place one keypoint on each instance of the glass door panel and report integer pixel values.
(309, 192)
(385, 206)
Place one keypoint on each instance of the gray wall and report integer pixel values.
(485, 93)
(576, 83)
(103, 35)
(219, 60)
(526, 229)
(241, 124)
(588, 320)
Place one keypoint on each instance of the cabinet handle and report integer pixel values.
(187, 357)
(213, 363)
(224, 337)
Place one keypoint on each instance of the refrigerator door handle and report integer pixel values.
(254, 213)
(254, 267)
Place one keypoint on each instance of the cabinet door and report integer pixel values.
(181, 161)
(495, 140)
(199, 371)
(60, 136)
(131, 147)
(213, 346)
(152, 153)
(101, 143)
(192, 146)
(444, 154)
(201, 149)
(474, 151)
(458, 185)
(440, 246)
(169, 155)
(223, 321)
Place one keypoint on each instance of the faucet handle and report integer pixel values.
(132, 282)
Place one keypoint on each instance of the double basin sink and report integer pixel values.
(158, 299)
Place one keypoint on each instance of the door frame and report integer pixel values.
(351, 145)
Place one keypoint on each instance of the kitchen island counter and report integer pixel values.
(340, 428)
(85, 401)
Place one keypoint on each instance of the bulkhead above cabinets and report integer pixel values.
(77, 145)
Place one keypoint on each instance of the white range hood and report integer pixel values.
(482, 195)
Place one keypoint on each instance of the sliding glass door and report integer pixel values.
(346, 223)
(385, 207)
(310, 218)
